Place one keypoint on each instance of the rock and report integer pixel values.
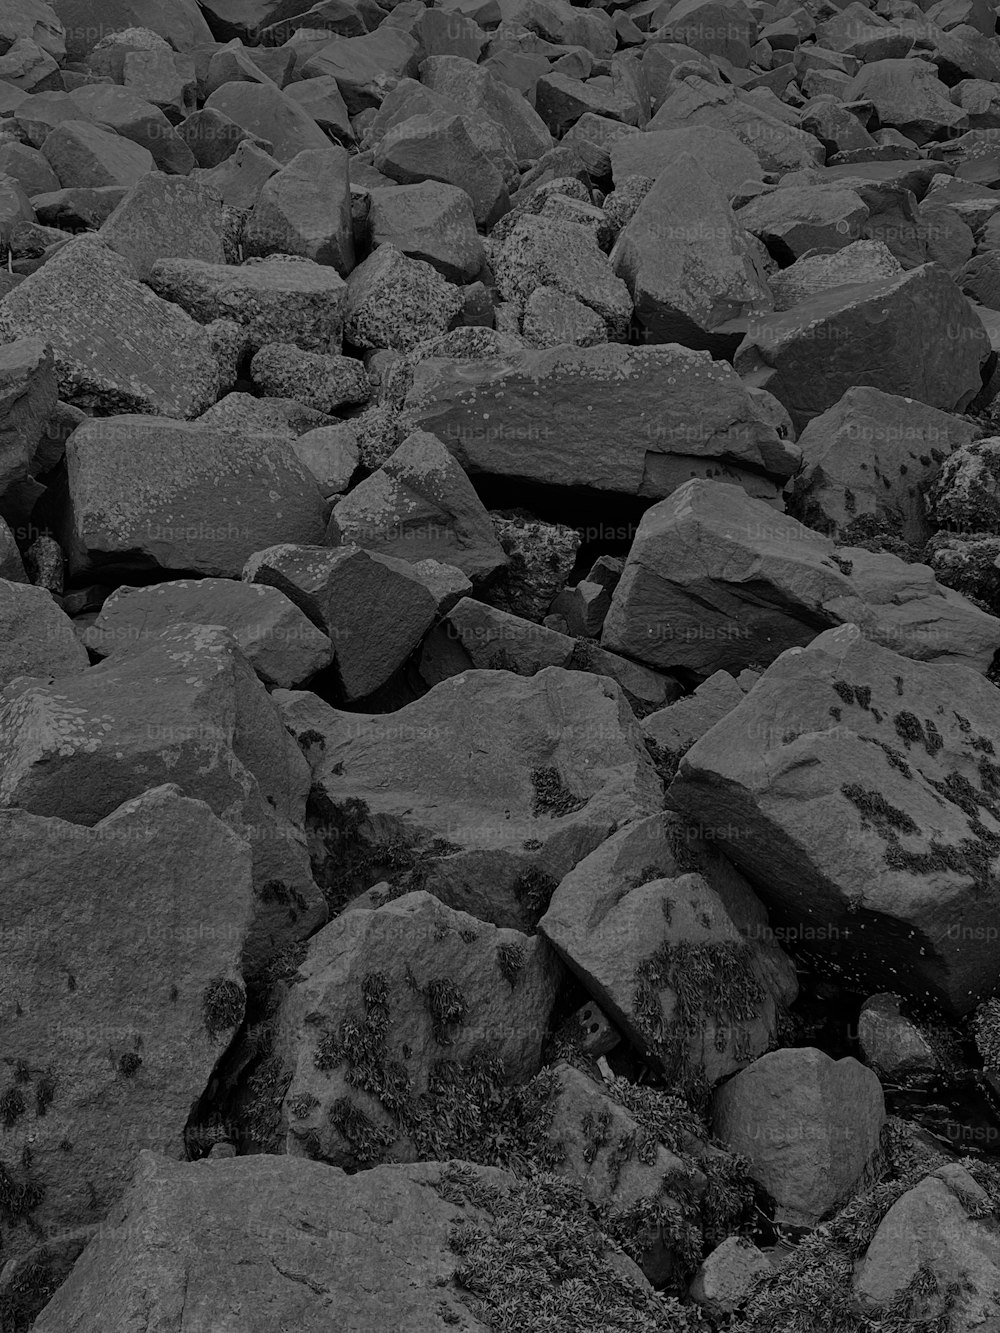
(552, 319)
(716, 580)
(323, 383)
(967, 564)
(36, 638)
(808, 1125)
(549, 765)
(166, 80)
(166, 218)
(279, 642)
(921, 865)
(320, 98)
(420, 505)
(11, 566)
(239, 178)
(479, 637)
(423, 983)
(28, 396)
(373, 608)
(566, 417)
(966, 492)
(78, 210)
(45, 562)
(331, 455)
(475, 89)
(488, 138)
(283, 417)
(36, 21)
(686, 261)
(395, 301)
(184, 708)
(276, 301)
(446, 584)
(87, 22)
(138, 496)
(541, 251)
(890, 1044)
(121, 112)
(942, 1225)
(676, 728)
(583, 607)
(908, 95)
(431, 221)
(116, 1047)
(213, 138)
(869, 459)
(808, 357)
(437, 146)
(361, 65)
(28, 167)
(725, 159)
(305, 209)
(541, 558)
(725, 1276)
(797, 220)
(230, 345)
(117, 346)
(263, 109)
(677, 953)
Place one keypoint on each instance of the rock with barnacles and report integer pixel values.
(392, 1012)
(106, 1050)
(674, 946)
(846, 744)
(488, 789)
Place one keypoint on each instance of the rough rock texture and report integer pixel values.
(36, 638)
(395, 301)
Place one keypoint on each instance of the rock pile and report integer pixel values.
(499, 631)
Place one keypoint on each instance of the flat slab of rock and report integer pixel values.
(116, 1045)
(847, 744)
(183, 496)
(294, 301)
(716, 580)
(373, 607)
(117, 346)
(646, 922)
(496, 784)
(201, 1235)
(808, 1125)
(638, 421)
(428, 984)
(282, 645)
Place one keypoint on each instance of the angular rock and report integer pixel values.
(420, 505)
(240, 177)
(372, 606)
(117, 346)
(409, 975)
(431, 221)
(724, 1279)
(437, 146)
(479, 637)
(282, 417)
(966, 493)
(181, 496)
(725, 159)
(123, 113)
(323, 383)
(717, 580)
(36, 638)
(676, 728)
(552, 319)
(799, 219)
(476, 89)
(331, 455)
(541, 559)
(28, 167)
(263, 109)
(908, 95)
(117, 1046)
(212, 137)
(305, 209)
(567, 417)
(166, 218)
(395, 301)
(361, 65)
(860, 261)
(673, 945)
(87, 22)
(808, 1125)
(809, 356)
(28, 396)
(279, 642)
(491, 787)
(275, 300)
(892, 1045)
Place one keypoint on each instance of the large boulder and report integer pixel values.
(382, 998)
(635, 420)
(486, 791)
(675, 948)
(89, 22)
(182, 496)
(717, 580)
(117, 346)
(107, 1050)
(305, 209)
(845, 744)
(808, 1125)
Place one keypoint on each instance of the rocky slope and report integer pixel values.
(499, 630)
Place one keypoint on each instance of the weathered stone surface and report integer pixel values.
(872, 456)
(212, 137)
(722, 1282)
(264, 110)
(11, 565)
(474, 635)
(36, 638)
(372, 606)
(331, 455)
(437, 146)
(495, 785)
(361, 65)
(799, 219)
(914, 335)
(715, 579)
(890, 1044)
(182, 496)
(676, 728)
(431, 221)
(87, 156)
(119, 1043)
(28, 396)
(808, 1125)
(36, 21)
(966, 493)
(305, 209)
(394, 301)
(686, 260)
(443, 993)
(165, 217)
(283, 417)
(860, 261)
(28, 167)
(275, 300)
(606, 418)
(323, 383)
(123, 113)
(541, 559)
(674, 946)
(726, 160)
(796, 758)
(87, 22)
(420, 505)
(239, 178)
(117, 346)
(280, 643)
(908, 95)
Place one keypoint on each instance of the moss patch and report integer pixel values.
(222, 1006)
